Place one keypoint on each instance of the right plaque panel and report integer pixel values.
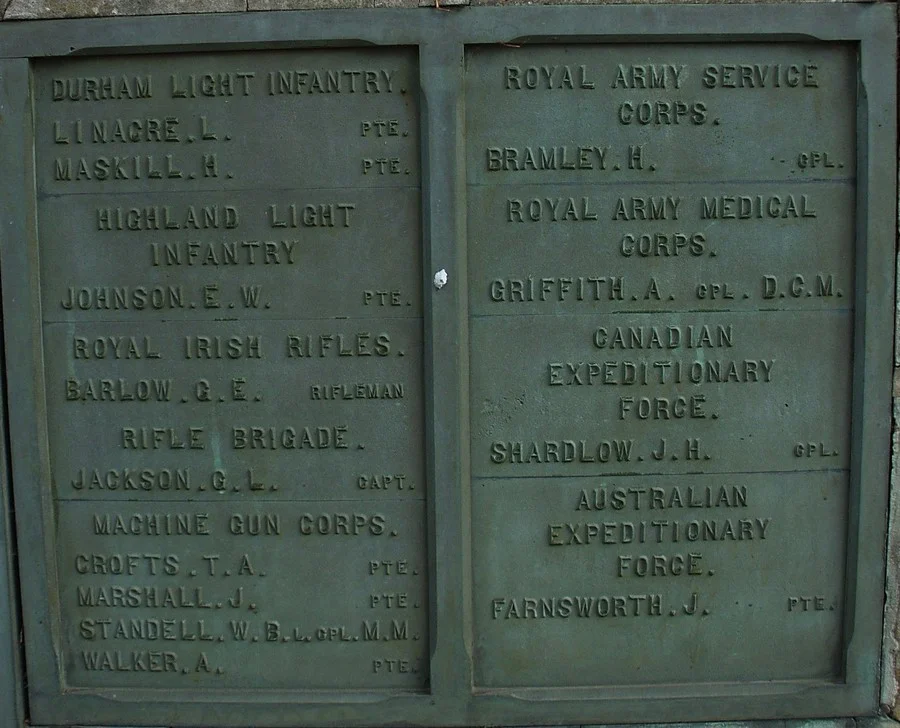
(661, 245)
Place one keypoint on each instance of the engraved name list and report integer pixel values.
(232, 337)
(660, 242)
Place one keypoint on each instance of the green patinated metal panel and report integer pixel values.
(672, 273)
(517, 366)
(11, 681)
(257, 461)
(251, 480)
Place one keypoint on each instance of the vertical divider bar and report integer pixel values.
(876, 230)
(12, 700)
(23, 365)
(443, 214)
(12, 705)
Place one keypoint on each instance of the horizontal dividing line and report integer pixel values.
(349, 319)
(669, 474)
(703, 690)
(42, 195)
(670, 312)
(238, 499)
(666, 182)
(131, 321)
(344, 697)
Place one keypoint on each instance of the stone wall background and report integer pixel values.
(17, 10)
(890, 685)
(36, 9)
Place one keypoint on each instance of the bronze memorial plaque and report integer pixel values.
(507, 366)
(661, 251)
(234, 412)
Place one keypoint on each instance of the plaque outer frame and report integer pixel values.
(11, 676)
(442, 37)
(14, 152)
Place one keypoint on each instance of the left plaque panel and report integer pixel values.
(230, 281)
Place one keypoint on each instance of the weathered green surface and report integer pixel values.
(272, 468)
(11, 679)
(657, 271)
(252, 476)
